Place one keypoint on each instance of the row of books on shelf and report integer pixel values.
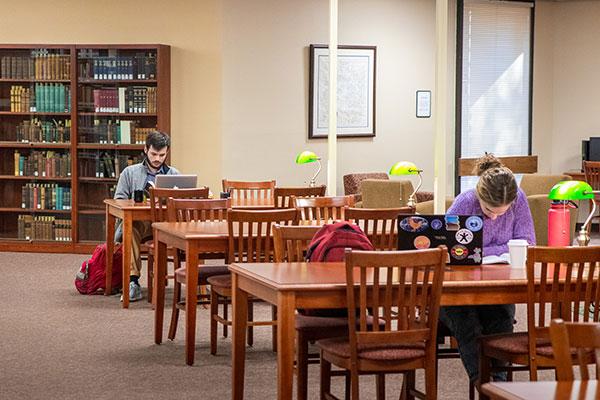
(39, 64)
(42, 97)
(140, 66)
(104, 165)
(132, 99)
(45, 196)
(43, 227)
(114, 132)
(44, 131)
(43, 164)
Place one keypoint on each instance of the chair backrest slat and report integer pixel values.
(379, 224)
(291, 242)
(322, 210)
(190, 210)
(584, 338)
(249, 190)
(283, 195)
(251, 233)
(159, 198)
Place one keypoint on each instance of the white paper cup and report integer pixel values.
(517, 249)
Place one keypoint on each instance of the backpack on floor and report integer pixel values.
(91, 278)
(329, 245)
(330, 242)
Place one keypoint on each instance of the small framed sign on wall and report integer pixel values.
(423, 103)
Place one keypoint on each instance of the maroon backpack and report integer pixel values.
(330, 242)
(91, 278)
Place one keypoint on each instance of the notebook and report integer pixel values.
(461, 234)
(176, 181)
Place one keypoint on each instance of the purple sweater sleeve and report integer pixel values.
(516, 223)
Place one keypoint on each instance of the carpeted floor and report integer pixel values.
(58, 344)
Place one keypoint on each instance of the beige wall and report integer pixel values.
(265, 85)
(192, 28)
(567, 84)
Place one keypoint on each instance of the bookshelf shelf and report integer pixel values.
(35, 178)
(110, 146)
(34, 145)
(117, 81)
(53, 78)
(35, 113)
(32, 211)
(116, 114)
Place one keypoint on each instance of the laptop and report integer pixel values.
(461, 234)
(176, 181)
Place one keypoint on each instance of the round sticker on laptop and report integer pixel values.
(459, 252)
(422, 242)
(414, 224)
(464, 236)
(474, 223)
(436, 224)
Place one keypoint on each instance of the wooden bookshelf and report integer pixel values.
(81, 110)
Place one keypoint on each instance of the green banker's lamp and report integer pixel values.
(575, 190)
(408, 168)
(308, 157)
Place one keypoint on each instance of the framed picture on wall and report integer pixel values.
(355, 91)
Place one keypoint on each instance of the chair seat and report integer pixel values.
(516, 344)
(204, 272)
(340, 347)
(222, 281)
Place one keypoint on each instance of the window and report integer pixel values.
(494, 80)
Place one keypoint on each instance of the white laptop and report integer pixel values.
(176, 181)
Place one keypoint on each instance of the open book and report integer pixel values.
(503, 258)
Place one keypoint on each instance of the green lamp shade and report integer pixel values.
(571, 190)
(404, 168)
(306, 157)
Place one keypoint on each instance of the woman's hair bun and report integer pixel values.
(486, 162)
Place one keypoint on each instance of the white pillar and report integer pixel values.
(332, 135)
(440, 111)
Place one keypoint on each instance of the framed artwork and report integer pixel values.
(423, 103)
(355, 91)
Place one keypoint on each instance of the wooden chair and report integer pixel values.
(249, 190)
(568, 286)
(283, 195)
(379, 224)
(290, 244)
(322, 210)
(250, 240)
(569, 336)
(180, 210)
(592, 176)
(158, 213)
(402, 288)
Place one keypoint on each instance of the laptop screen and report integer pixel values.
(461, 234)
(176, 181)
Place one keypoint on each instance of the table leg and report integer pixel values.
(239, 303)
(127, 228)
(191, 299)
(110, 249)
(286, 335)
(160, 271)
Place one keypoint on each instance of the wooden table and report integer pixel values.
(323, 285)
(194, 238)
(128, 211)
(576, 390)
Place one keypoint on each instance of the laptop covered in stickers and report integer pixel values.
(461, 234)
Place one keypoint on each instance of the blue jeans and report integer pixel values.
(467, 323)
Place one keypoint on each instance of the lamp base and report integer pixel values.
(583, 239)
(411, 202)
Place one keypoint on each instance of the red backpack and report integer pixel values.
(91, 278)
(330, 242)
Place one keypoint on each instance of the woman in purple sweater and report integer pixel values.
(506, 216)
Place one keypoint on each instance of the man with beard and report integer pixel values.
(140, 177)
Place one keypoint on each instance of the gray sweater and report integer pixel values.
(134, 178)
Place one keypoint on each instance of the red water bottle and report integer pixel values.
(559, 222)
